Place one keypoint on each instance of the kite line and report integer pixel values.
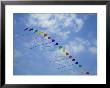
(57, 44)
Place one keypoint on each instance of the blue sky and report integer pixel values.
(76, 32)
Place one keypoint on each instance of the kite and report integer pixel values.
(66, 54)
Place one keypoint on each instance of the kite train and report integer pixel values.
(66, 54)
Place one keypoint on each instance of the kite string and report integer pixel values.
(42, 34)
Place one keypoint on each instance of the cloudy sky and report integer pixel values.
(35, 55)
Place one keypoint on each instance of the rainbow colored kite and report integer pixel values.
(61, 48)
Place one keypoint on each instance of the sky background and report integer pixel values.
(76, 32)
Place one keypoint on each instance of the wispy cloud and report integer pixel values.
(58, 24)
(79, 24)
(75, 47)
(79, 45)
(64, 35)
(93, 50)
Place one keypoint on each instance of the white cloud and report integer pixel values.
(75, 47)
(79, 24)
(41, 16)
(79, 45)
(57, 23)
(78, 48)
(47, 24)
(93, 47)
(40, 20)
(93, 50)
(83, 41)
(64, 35)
